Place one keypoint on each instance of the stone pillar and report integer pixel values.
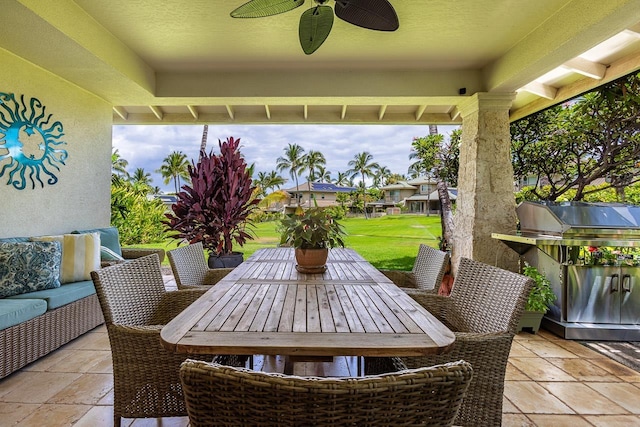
(485, 202)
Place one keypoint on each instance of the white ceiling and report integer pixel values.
(172, 61)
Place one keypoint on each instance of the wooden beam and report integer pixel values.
(383, 109)
(541, 89)
(343, 113)
(454, 114)
(267, 111)
(193, 110)
(587, 68)
(305, 111)
(230, 112)
(156, 111)
(420, 112)
(120, 111)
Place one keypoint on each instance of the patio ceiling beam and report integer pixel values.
(85, 43)
(587, 68)
(616, 70)
(156, 111)
(267, 111)
(343, 113)
(120, 111)
(541, 89)
(305, 111)
(256, 115)
(420, 111)
(381, 112)
(251, 86)
(574, 29)
(193, 110)
(230, 111)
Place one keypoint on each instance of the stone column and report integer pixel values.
(485, 202)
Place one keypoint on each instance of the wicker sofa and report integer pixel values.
(34, 323)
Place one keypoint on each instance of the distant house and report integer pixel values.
(419, 195)
(323, 192)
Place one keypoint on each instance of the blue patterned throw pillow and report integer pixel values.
(29, 266)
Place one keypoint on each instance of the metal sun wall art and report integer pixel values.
(29, 142)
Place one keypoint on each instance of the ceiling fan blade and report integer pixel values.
(315, 26)
(262, 8)
(372, 14)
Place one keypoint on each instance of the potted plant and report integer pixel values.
(311, 232)
(540, 298)
(214, 209)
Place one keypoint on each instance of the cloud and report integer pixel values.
(147, 146)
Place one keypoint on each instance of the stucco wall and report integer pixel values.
(80, 198)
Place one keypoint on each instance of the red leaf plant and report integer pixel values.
(215, 208)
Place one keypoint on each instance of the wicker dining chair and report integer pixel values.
(483, 311)
(427, 273)
(135, 306)
(218, 395)
(190, 269)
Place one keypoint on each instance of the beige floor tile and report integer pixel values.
(508, 407)
(515, 374)
(12, 413)
(518, 350)
(540, 369)
(107, 399)
(97, 416)
(55, 415)
(541, 420)
(618, 369)
(527, 336)
(582, 369)
(88, 390)
(614, 420)
(578, 349)
(80, 361)
(624, 394)
(103, 366)
(38, 387)
(583, 399)
(44, 363)
(516, 420)
(531, 398)
(547, 349)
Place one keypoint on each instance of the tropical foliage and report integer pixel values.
(138, 218)
(215, 208)
(569, 146)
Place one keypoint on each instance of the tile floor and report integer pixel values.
(550, 382)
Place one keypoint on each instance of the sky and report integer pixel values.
(146, 146)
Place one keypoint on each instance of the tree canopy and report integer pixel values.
(569, 146)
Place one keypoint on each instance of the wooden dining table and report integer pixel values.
(265, 306)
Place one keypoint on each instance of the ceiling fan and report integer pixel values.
(316, 22)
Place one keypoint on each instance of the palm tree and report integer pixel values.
(269, 181)
(141, 177)
(294, 161)
(380, 174)
(364, 165)
(119, 165)
(323, 174)
(343, 180)
(175, 166)
(313, 160)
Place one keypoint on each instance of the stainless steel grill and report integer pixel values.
(566, 241)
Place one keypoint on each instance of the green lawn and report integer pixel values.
(389, 242)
